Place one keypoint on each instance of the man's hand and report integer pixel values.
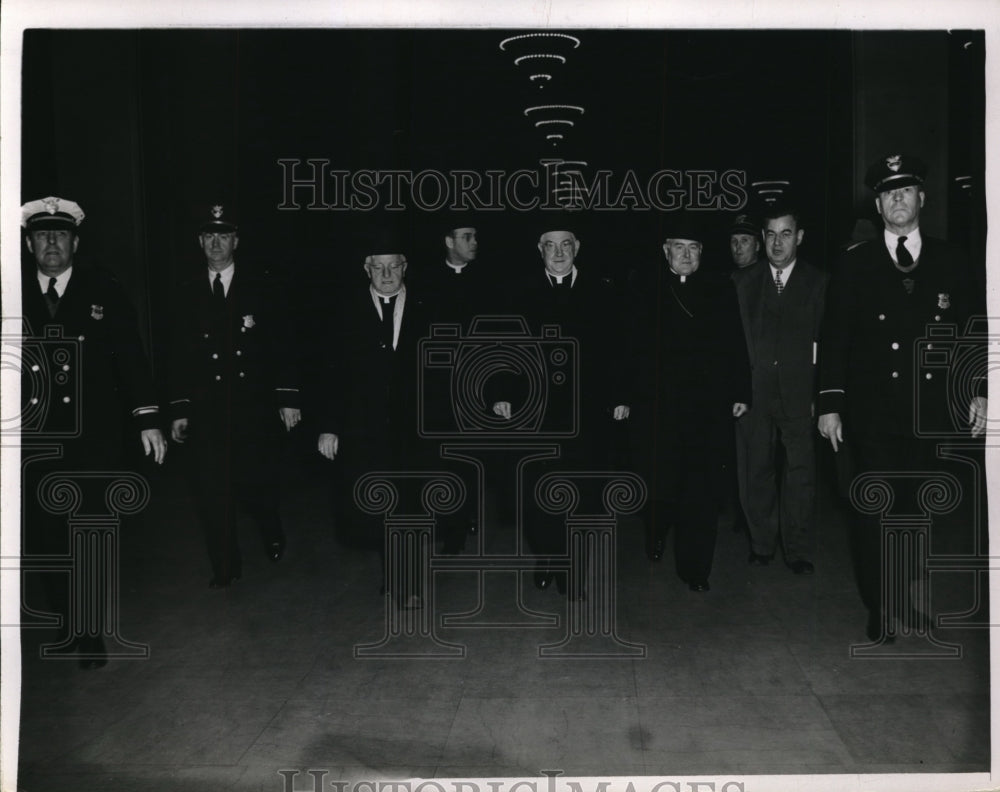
(290, 416)
(621, 412)
(831, 428)
(740, 409)
(154, 443)
(328, 445)
(179, 430)
(502, 409)
(977, 415)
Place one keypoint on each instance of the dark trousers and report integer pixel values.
(46, 543)
(229, 472)
(357, 528)
(786, 508)
(893, 455)
(684, 489)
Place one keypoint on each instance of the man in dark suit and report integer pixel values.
(694, 379)
(781, 303)
(91, 397)
(585, 309)
(366, 402)
(232, 389)
(883, 296)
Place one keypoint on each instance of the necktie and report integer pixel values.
(903, 258)
(779, 285)
(52, 297)
(218, 292)
(388, 308)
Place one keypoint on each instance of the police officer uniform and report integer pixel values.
(883, 312)
(230, 373)
(85, 385)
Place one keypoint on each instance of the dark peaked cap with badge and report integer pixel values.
(51, 212)
(895, 171)
(744, 224)
(217, 220)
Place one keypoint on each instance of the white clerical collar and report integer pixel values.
(378, 297)
(62, 280)
(227, 276)
(786, 271)
(456, 268)
(556, 280)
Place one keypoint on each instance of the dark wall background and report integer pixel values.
(147, 128)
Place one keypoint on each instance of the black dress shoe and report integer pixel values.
(699, 585)
(276, 550)
(656, 549)
(757, 559)
(802, 567)
(222, 581)
(92, 652)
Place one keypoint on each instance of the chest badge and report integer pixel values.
(944, 301)
(248, 321)
(97, 312)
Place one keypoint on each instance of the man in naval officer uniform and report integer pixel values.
(882, 297)
(62, 299)
(233, 391)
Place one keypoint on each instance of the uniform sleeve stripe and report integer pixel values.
(292, 390)
(143, 410)
(832, 390)
(179, 401)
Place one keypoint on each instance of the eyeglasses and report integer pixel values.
(565, 246)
